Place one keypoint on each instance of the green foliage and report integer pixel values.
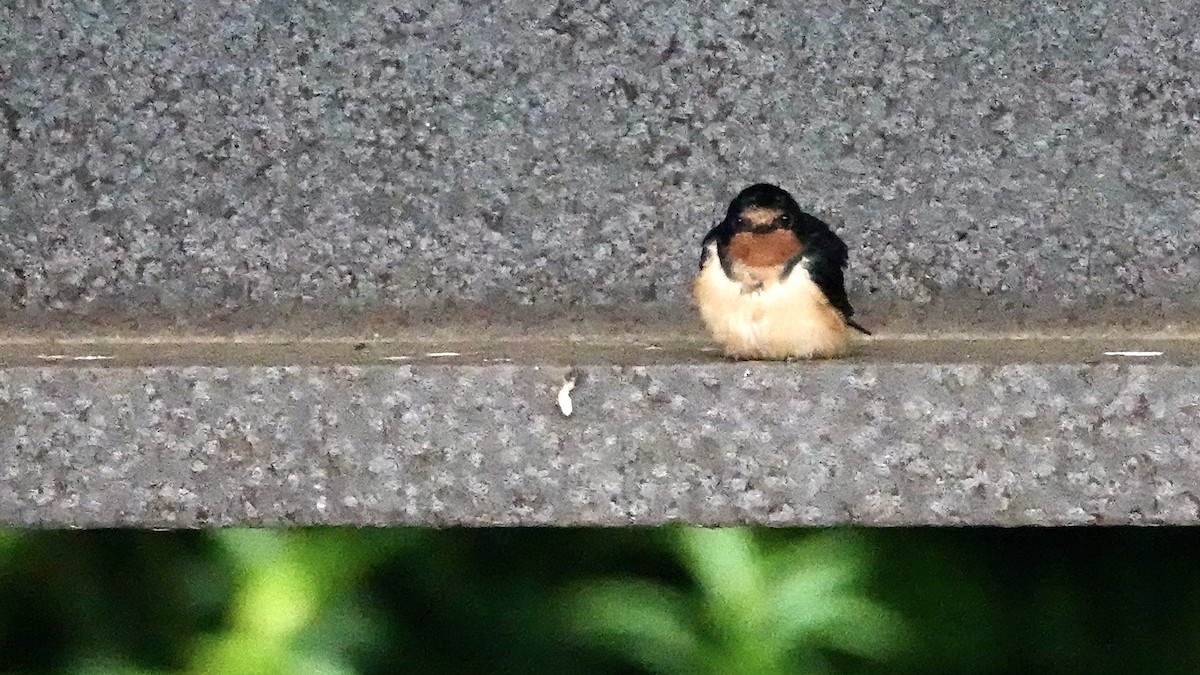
(288, 582)
(602, 602)
(649, 622)
(753, 610)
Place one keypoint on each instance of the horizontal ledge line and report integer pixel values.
(597, 338)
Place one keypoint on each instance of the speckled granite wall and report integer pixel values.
(201, 161)
(877, 444)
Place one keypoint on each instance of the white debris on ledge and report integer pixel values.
(564, 394)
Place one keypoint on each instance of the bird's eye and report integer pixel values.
(741, 222)
(785, 219)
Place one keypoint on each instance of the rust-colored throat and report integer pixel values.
(767, 249)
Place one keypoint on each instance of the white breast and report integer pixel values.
(777, 320)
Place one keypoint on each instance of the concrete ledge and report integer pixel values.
(1032, 432)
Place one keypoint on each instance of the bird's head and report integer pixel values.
(762, 209)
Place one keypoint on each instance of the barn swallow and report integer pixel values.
(770, 284)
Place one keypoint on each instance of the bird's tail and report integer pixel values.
(854, 324)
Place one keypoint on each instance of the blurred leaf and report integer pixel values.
(646, 621)
(818, 599)
(757, 611)
(723, 562)
(837, 551)
(249, 548)
(730, 602)
(279, 593)
(237, 653)
(319, 665)
(341, 556)
(727, 564)
(863, 627)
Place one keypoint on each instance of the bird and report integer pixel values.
(771, 284)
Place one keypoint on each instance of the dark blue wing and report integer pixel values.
(825, 256)
(715, 235)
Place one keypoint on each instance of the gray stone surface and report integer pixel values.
(1044, 438)
(254, 161)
